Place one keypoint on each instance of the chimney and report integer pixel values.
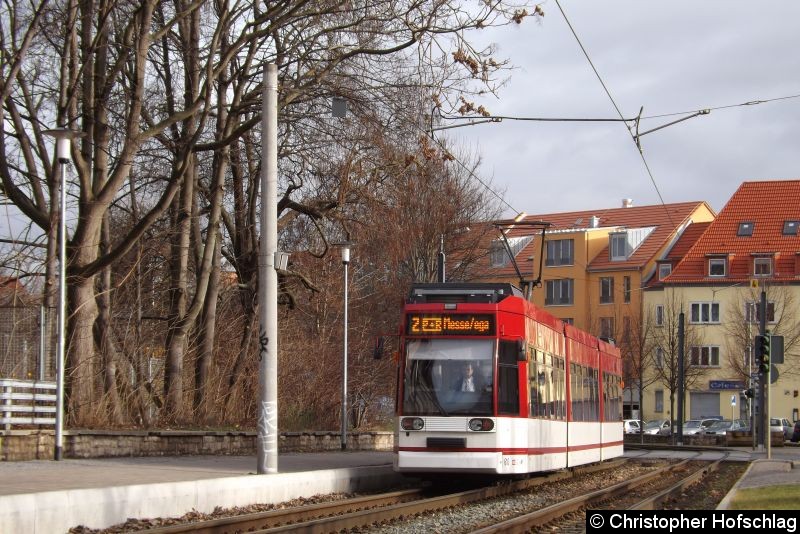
(627, 202)
(594, 221)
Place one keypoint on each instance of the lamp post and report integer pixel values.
(63, 139)
(345, 261)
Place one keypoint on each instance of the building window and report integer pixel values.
(559, 292)
(607, 327)
(659, 358)
(560, 252)
(618, 246)
(606, 290)
(752, 312)
(626, 287)
(704, 312)
(664, 269)
(745, 229)
(762, 266)
(498, 254)
(659, 401)
(716, 267)
(705, 356)
(659, 315)
(790, 227)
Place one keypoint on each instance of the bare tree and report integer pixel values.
(143, 81)
(668, 346)
(742, 325)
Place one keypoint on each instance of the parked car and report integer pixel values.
(788, 428)
(697, 426)
(631, 426)
(661, 427)
(721, 428)
(796, 432)
(783, 426)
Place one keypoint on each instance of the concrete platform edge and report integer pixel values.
(58, 511)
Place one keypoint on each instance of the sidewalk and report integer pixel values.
(48, 496)
(47, 475)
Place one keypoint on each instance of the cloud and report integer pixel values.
(666, 57)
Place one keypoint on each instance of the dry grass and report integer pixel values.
(784, 497)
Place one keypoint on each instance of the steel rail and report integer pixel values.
(524, 523)
(270, 518)
(357, 512)
(651, 503)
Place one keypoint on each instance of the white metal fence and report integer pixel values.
(27, 402)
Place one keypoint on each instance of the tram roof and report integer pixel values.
(462, 292)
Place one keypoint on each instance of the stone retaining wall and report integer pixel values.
(17, 445)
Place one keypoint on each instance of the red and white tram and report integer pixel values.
(489, 383)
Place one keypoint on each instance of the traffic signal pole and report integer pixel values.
(762, 347)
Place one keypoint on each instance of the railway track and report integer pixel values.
(363, 511)
(646, 492)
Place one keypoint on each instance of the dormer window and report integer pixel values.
(762, 266)
(664, 270)
(618, 246)
(790, 227)
(623, 242)
(717, 267)
(745, 229)
(499, 254)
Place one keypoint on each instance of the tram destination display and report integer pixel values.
(451, 324)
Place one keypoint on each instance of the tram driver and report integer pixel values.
(469, 381)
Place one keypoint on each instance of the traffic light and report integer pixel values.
(748, 393)
(762, 353)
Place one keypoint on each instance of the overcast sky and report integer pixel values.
(666, 56)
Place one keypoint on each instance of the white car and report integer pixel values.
(631, 426)
(780, 425)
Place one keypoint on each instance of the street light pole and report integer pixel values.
(63, 139)
(345, 262)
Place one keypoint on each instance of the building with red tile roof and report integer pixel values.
(595, 262)
(752, 246)
(12, 292)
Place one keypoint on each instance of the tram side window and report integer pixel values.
(595, 400)
(561, 399)
(549, 389)
(507, 379)
(533, 387)
(576, 389)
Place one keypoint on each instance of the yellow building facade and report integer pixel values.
(720, 324)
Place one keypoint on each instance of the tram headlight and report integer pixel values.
(412, 423)
(481, 425)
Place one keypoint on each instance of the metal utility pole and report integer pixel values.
(763, 378)
(681, 336)
(440, 261)
(345, 262)
(267, 439)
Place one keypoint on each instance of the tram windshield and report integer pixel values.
(448, 377)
